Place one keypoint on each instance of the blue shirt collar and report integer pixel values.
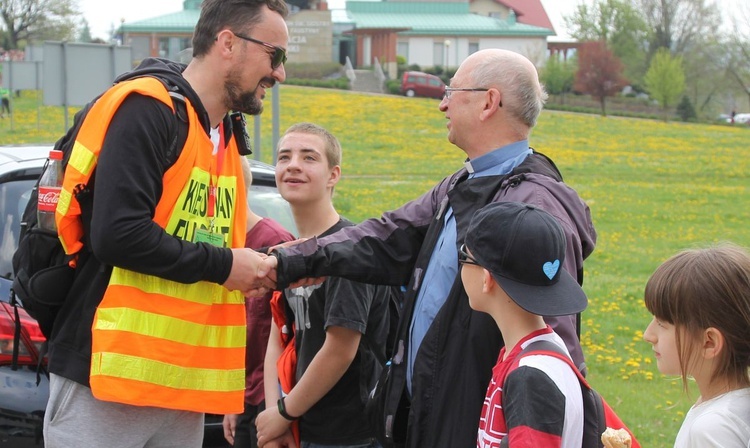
(498, 157)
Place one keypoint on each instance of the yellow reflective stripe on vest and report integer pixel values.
(167, 375)
(201, 292)
(82, 159)
(170, 328)
(63, 204)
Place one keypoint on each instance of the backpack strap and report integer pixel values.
(594, 407)
(181, 130)
(548, 348)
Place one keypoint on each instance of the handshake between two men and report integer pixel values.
(254, 273)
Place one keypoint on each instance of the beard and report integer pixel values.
(239, 101)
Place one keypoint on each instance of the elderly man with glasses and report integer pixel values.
(152, 334)
(432, 390)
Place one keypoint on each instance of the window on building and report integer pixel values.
(140, 47)
(438, 54)
(402, 49)
(170, 47)
(473, 47)
(163, 47)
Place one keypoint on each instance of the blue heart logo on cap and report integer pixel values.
(550, 268)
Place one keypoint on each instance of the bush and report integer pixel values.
(400, 60)
(339, 83)
(401, 70)
(393, 86)
(313, 70)
(436, 70)
(597, 111)
(441, 72)
(685, 109)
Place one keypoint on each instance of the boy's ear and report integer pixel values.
(488, 282)
(713, 343)
(335, 176)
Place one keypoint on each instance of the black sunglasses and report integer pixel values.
(465, 258)
(279, 54)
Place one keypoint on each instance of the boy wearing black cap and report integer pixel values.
(512, 270)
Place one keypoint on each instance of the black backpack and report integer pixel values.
(43, 273)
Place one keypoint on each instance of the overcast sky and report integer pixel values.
(102, 15)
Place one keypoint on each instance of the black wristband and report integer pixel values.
(282, 410)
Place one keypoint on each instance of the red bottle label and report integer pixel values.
(48, 197)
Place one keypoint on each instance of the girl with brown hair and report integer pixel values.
(700, 300)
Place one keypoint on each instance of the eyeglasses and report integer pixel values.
(465, 258)
(279, 54)
(450, 90)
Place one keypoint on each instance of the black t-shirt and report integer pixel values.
(339, 418)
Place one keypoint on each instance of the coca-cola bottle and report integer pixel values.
(49, 191)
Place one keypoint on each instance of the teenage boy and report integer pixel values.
(511, 268)
(239, 430)
(340, 326)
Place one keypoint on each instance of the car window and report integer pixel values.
(411, 79)
(13, 198)
(268, 203)
(434, 82)
(421, 81)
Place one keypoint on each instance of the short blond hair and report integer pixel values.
(332, 146)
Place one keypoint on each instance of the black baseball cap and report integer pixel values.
(524, 248)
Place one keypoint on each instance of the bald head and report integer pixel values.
(515, 76)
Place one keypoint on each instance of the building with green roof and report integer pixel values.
(163, 36)
(427, 33)
(439, 33)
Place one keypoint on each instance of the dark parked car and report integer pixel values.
(22, 402)
(422, 84)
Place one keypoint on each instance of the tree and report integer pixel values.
(84, 35)
(29, 20)
(738, 51)
(599, 72)
(677, 24)
(685, 109)
(558, 76)
(620, 26)
(705, 76)
(665, 79)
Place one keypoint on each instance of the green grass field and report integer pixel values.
(653, 188)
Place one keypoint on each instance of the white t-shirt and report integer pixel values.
(722, 422)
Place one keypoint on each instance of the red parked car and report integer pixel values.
(422, 84)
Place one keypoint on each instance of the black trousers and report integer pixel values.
(245, 435)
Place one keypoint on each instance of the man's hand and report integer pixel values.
(271, 263)
(248, 274)
(230, 425)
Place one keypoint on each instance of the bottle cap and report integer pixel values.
(56, 155)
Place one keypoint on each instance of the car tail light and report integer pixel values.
(31, 336)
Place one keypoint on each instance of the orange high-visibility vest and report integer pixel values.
(157, 342)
